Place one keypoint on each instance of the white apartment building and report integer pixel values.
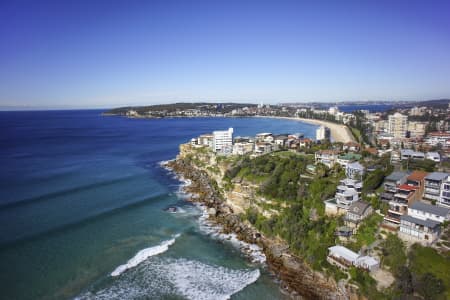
(398, 125)
(223, 141)
(323, 133)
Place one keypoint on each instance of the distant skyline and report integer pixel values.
(116, 53)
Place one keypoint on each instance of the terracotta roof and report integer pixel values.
(407, 187)
(371, 150)
(351, 144)
(417, 175)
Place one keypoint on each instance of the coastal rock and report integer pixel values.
(297, 278)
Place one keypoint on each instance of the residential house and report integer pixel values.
(344, 258)
(417, 179)
(263, 148)
(398, 206)
(433, 183)
(347, 192)
(264, 137)
(206, 140)
(305, 142)
(424, 211)
(410, 154)
(434, 156)
(346, 158)
(242, 148)
(444, 200)
(390, 185)
(327, 157)
(354, 170)
(281, 140)
(357, 212)
(419, 230)
(351, 146)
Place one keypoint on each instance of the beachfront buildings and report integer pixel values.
(397, 125)
(223, 141)
(433, 183)
(323, 133)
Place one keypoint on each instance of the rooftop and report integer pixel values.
(435, 210)
(358, 207)
(343, 252)
(355, 165)
(437, 176)
(427, 223)
(417, 175)
(395, 176)
(407, 187)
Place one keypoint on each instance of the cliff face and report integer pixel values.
(206, 173)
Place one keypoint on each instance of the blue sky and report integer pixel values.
(111, 53)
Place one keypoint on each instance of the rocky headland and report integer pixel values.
(296, 277)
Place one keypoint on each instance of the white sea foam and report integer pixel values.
(143, 255)
(196, 280)
(253, 251)
(163, 277)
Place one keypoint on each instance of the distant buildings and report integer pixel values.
(223, 141)
(323, 133)
(398, 125)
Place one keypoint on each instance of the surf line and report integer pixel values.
(143, 255)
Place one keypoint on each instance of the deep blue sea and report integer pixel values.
(82, 196)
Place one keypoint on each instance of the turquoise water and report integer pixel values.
(81, 195)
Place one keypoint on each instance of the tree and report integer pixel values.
(429, 286)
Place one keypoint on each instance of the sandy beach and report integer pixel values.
(339, 133)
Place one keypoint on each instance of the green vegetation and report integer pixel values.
(367, 232)
(426, 165)
(393, 251)
(302, 223)
(432, 268)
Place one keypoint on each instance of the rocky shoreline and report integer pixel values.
(296, 277)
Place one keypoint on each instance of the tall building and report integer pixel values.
(223, 141)
(323, 133)
(398, 125)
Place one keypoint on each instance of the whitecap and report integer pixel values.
(143, 255)
(163, 277)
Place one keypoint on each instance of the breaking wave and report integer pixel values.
(143, 255)
(165, 277)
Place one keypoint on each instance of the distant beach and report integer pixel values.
(339, 132)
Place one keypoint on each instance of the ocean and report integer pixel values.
(82, 211)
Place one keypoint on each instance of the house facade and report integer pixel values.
(327, 157)
(357, 212)
(433, 183)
